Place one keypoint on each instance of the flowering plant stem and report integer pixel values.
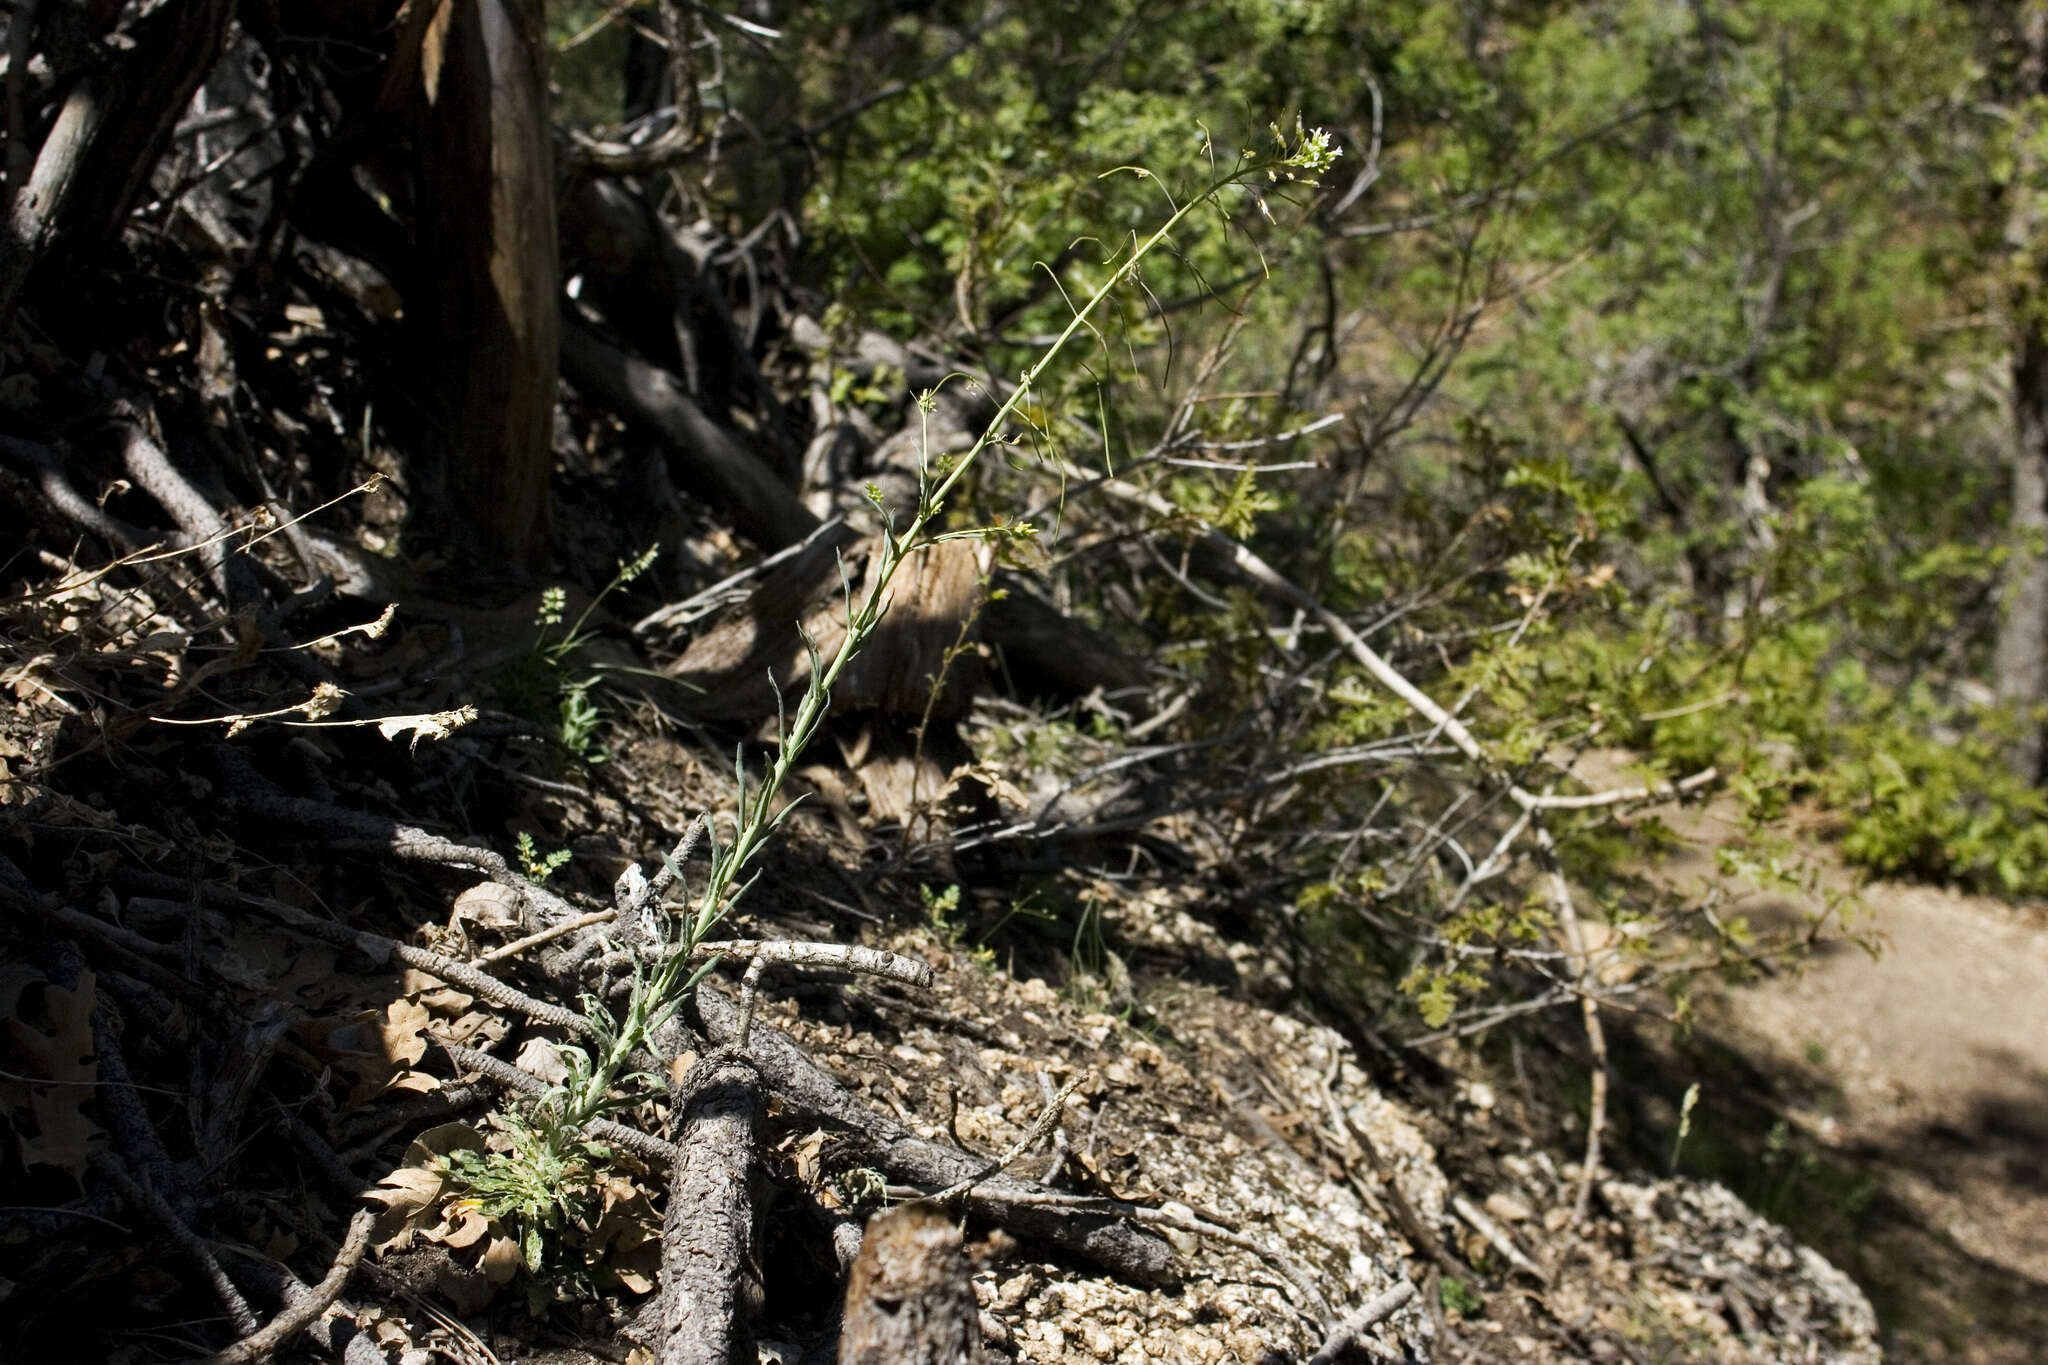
(660, 992)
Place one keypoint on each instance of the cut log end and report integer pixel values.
(909, 1300)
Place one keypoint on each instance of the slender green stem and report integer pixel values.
(656, 998)
(756, 821)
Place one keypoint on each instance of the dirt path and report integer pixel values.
(1917, 1085)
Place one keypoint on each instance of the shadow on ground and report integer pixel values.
(1878, 1209)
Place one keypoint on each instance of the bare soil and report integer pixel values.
(1891, 1109)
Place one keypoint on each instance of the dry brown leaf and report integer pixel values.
(477, 1029)
(379, 1048)
(501, 1260)
(411, 1197)
(490, 906)
(539, 1057)
(633, 1277)
(464, 1226)
(391, 1332)
(434, 993)
(283, 968)
(413, 1194)
(1001, 790)
(404, 1022)
(416, 1082)
(627, 1239)
(52, 1050)
(433, 48)
(806, 1153)
(439, 725)
(440, 1140)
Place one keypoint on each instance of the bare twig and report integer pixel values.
(262, 1343)
(798, 1084)
(345, 828)
(1418, 1233)
(1589, 1008)
(1495, 1238)
(1389, 677)
(547, 935)
(759, 954)
(1376, 1310)
(145, 1199)
(1032, 1137)
(636, 891)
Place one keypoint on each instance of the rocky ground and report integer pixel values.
(1259, 1179)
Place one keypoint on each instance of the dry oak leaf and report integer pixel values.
(540, 1057)
(54, 1067)
(410, 1196)
(490, 905)
(283, 968)
(626, 1242)
(413, 1194)
(501, 1261)
(433, 993)
(379, 1048)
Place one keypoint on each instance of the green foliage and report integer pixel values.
(1948, 808)
(1665, 346)
(579, 722)
(534, 864)
(542, 685)
(1791, 1180)
(544, 1178)
(1233, 510)
(1460, 1298)
(939, 908)
(1685, 1108)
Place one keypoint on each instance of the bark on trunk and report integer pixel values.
(2021, 669)
(2022, 663)
(486, 231)
(909, 1300)
(707, 1238)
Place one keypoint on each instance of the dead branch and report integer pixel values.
(1496, 1238)
(1374, 663)
(375, 946)
(254, 794)
(707, 1235)
(1376, 1311)
(1589, 1011)
(53, 481)
(334, 1333)
(1048, 1119)
(114, 123)
(145, 1199)
(261, 1344)
(797, 1082)
(702, 456)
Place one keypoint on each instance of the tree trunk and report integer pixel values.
(2022, 661)
(490, 315)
